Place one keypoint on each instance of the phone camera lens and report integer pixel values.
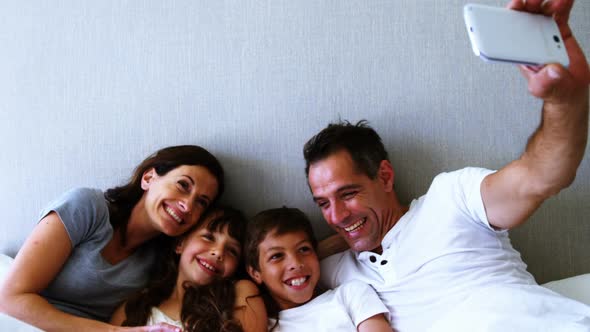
(556, 38)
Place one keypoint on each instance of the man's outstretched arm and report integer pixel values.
(556, 148)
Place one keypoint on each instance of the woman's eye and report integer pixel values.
(208, 236)
(203, 203)
(184, 185)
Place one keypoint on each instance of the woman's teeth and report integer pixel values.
(173, 215)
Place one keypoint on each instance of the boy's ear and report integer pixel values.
(147, 177)
(255, 275)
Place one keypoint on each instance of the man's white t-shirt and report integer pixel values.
(339, 309)
(443, 259)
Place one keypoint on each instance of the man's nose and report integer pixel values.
(338, 213)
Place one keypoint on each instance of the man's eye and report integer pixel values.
(349, 194)
(322, 204)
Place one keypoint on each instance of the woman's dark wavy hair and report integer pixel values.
(122, 199)
(204, 307)
(360, 140)
(278, 221)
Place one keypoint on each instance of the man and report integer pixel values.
(445, 262)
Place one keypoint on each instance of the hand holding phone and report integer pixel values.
(504, 35)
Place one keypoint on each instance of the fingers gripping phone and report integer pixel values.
(505, 35)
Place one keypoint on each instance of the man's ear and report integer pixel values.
(147, 177)
(254, 274)
(386, 175)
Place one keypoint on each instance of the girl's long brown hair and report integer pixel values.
(204, 308)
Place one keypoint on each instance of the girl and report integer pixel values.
(193, 289)
(90, 249)
(280, 253)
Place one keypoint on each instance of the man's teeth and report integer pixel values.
(208, 266)
(297, 281)
(173, 215)
(356, 225)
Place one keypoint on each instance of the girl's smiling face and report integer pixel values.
(289, 267)
(207, 254)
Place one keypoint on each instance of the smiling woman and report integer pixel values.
(92, 249)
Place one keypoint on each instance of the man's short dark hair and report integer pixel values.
(360, 140)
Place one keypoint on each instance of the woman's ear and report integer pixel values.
(254, 274)
(147, 177)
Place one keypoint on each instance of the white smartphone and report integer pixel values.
(504, 35)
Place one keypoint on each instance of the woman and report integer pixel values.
(91, 249)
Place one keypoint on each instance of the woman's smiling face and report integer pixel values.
(289, 267)
(174, 202)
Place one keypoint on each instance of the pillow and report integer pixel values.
(4, 266)
(577, 288)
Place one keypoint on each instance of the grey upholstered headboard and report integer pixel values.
(89, 88)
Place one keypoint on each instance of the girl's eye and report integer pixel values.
(208, 236)
(234, 252)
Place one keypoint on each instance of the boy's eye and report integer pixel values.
(305, 249)
(275, 257)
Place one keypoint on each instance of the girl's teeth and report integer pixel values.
(208, 266)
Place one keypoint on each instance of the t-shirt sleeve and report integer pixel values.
(330, 270)
(465, 189)
(81, 210)
(361, 301)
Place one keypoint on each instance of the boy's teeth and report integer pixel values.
(171, 213)
(297, 281)
(355, 225)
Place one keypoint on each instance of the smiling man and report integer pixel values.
(445, 262)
